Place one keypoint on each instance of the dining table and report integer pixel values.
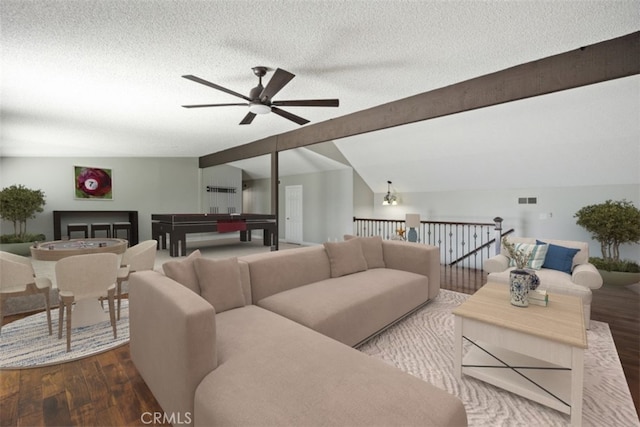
(89, 311)
(57, 249)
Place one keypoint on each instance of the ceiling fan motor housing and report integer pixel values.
(254, 94)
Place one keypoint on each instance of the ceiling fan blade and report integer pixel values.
(308, 103)
(215, 86)
(276, 83)
(287, 115)
(248, 118)
(214, 105)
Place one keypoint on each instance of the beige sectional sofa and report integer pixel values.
(266, 339)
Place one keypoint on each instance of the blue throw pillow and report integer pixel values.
(559, 258)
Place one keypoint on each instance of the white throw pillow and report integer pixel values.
(537, 254)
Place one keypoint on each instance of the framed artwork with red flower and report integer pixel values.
(93, 183)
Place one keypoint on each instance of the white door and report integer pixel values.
(293, 214)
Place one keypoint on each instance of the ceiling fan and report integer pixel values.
(260, 98)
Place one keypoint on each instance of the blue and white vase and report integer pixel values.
(520, 282)
(535, 280)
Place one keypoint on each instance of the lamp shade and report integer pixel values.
(412, 220)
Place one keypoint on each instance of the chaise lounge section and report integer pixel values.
(275, 347)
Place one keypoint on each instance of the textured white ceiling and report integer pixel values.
(102, 78)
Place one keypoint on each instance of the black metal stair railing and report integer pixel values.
(486, 245)
(462, 244)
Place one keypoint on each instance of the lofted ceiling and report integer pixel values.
(577, 137)
(103, 79)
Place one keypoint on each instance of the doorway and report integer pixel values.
(293, 214)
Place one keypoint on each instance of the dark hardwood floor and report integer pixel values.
(106, 389)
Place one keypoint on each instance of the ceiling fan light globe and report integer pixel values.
(257, 108)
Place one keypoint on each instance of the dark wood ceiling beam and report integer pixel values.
(246, 151)
(608, 60)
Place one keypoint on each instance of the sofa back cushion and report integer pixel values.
(371, 249)
(220, 282)
(278, 271)
(183, 271)
(345, 257)
(245, 281)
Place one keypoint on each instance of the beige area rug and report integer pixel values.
(422, 345)
(26, 343)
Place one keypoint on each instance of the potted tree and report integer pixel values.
(613, 223)
(18, 204)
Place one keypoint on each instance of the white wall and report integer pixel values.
(221, 176)
(256, 196)
(363, 197)
(327, 199)
(147, 185)
(551, 217)
(174, 185)
(327, 204)
(362, 193)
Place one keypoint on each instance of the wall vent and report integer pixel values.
(527, 200)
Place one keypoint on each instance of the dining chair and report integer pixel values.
(17, 279)
(87, 276)
(139, 257)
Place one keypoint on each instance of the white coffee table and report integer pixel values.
(536, 352)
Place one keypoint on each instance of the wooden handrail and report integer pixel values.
(479, 248)
(426, 222)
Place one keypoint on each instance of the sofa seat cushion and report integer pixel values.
(352, 308)
(553, 281)
(275, 372)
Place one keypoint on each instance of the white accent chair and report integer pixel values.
(583, 276)
(18, 279)
(136, 258)
(82, 277)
